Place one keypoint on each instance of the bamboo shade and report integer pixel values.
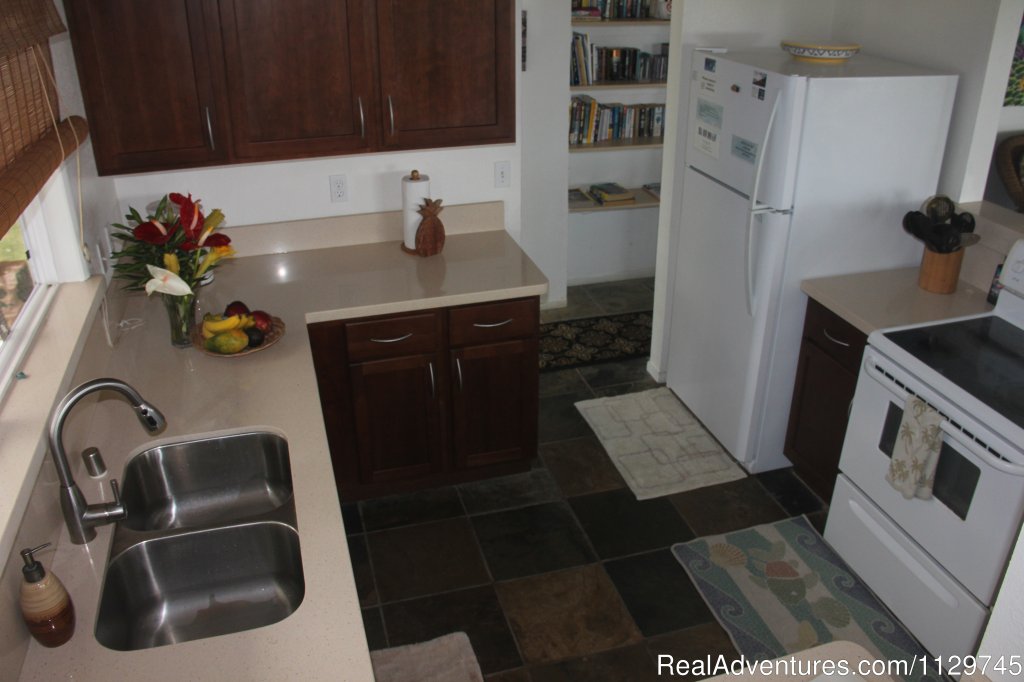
(30, 148)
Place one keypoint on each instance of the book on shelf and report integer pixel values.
(611, 192)
(579, 196)
(615, 9)
(592, 65)
(591, 121)
(654, 189)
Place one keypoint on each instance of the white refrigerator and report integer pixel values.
(793, 170)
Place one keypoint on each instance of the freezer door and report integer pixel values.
(728, 271)
(731, 106)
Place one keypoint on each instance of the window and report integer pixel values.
(16, 281)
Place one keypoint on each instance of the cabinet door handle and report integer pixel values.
(362, 119)
(391, 111)
(458, 372)
(482, 325)
(833, 339)
(394, 340)
(433, 385)
(209, 130)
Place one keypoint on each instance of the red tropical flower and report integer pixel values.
(152, 232)
(191, 215)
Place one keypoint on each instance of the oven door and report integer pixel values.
(971, 522)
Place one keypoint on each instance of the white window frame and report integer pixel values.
(50, 231)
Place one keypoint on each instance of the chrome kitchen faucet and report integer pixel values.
(81, 517)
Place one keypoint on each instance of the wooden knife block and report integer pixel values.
(940, 271)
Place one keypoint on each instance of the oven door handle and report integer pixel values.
(989, 458)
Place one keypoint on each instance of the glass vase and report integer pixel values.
(181, 312)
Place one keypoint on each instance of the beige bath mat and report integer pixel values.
(657, 445)
(446, 659)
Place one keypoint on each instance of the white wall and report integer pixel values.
(973, 39)
(612, 245)
(544, 133)
(712, 23)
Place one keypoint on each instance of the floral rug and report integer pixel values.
(594, 339)
(779, 588)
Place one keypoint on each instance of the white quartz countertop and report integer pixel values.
(275, 389)
(889, 298)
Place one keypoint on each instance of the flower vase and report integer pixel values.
(181, 312)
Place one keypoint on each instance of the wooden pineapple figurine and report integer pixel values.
(430, 234)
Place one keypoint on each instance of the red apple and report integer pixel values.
(261, 320)
(236, 308)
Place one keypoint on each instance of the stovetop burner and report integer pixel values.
(982, 355)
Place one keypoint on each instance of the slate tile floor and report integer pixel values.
(558, 573)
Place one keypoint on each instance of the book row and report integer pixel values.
(591, 121)
(611, 9)
(591, 64)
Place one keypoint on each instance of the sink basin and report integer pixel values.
(210, 545)
(199, 482)
(200, 584)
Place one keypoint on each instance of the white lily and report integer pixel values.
(166, 282)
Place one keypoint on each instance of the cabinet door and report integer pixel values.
(494, 402)
(447, 72)
(817, 420)
(147, 82)
(299, 76)
(397, 410)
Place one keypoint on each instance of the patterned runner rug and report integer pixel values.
(657, 445)
(590, 340)
(779, 588)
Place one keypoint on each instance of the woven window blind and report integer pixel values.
(33, 142)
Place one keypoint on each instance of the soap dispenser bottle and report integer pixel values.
(45, 604)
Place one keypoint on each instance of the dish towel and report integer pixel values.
(916, 453)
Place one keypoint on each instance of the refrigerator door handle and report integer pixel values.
(755, 208)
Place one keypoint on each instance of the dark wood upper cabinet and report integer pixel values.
(299, 76)
(146, 78)
(446, 72)
(185, 83)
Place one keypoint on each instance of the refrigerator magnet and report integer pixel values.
(744, 149)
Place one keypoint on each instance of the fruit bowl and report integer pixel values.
(272, 337)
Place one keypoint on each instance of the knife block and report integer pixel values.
(940, 271)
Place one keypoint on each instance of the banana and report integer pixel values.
(214, 326)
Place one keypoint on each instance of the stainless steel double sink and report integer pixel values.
(210, 545)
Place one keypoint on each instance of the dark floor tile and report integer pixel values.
(426, 559)
(432, 504)
(475, 611)
(561, 381)
(727, 507)
(614, 373)
(818, 520)
(373, 625)
(578, 304)
(506, 492)
(623, 296)
(566, 614)
(618, 524)
(789, 491)
(362, 570)
(581, 466)
(352, 518)
(630, 663)
(622, 389)
(559, 418)
(692, 644)
(517, 675)
(531, 540)
(658, 593)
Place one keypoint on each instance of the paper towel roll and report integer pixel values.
(415, 188)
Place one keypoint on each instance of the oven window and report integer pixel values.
(956, 478)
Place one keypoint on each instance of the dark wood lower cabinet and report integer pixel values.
(826, 379)
(430, 397)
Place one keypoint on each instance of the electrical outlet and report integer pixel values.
(339, 188)
(502, 173)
